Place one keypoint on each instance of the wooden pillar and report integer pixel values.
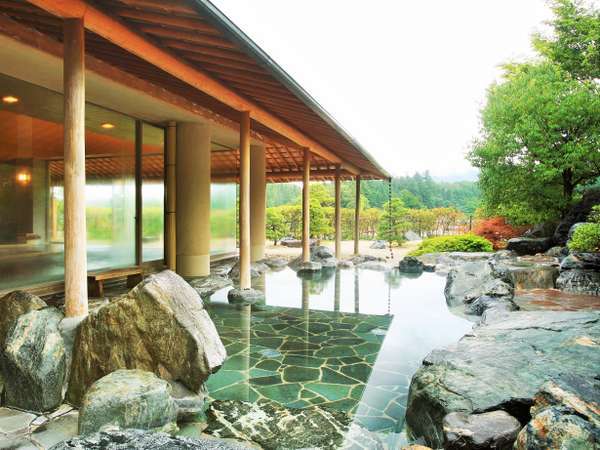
(258, 202)
(76, 295)
(170, 210)
(338, 213)
(357, 216)
(306, 208)
(139, 258)
(244, 215)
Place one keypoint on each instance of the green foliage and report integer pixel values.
(594, 215)
(461, 243)
(275, 225)
(409, 199)
(575, 42)
(586, 238)
(416, 191)
(541, 132)
(282, 193)
(152, 222)
(426, 193)
(99, 223)
(394, 222)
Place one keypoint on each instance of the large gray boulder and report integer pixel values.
(565, 415)
(500, 366)
(321, 257)
(275, 262)
(256, 270)
(557, 428)
(471, 280)
(410, 264)
(127, 399)
(142, 440)
(490, 430)
(160, 326)
(444, 262)
(13, 305)
(245, 296)
(485, 303)
(33, 361)
(579, 281)
(207, 286)
(581, 261)
(379, 245)
(529, 246)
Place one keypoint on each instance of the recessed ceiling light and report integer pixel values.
(107, 125)
(10, 99)
(23, 177)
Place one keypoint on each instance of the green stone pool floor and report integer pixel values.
(296, 358)
(350, 342)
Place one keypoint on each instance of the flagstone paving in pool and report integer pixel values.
(350, 341)
(297, 358)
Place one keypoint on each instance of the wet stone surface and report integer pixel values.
(296, 358)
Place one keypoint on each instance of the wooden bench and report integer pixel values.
(96, 280)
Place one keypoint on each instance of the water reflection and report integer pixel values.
(348, 339)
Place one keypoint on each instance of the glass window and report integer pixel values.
(32, 186)
(223, 200)
(153, 193)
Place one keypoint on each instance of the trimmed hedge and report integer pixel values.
(460, 243)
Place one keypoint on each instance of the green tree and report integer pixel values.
(540, 140)
(394, 221)
(422, 221)
(409, 199)
(575, 40)
(276, 228)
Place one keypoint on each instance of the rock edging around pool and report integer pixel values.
(506, 365)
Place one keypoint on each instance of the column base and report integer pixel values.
(193, 265)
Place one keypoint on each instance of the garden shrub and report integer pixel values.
(586, 237)
(460, 243)
(497, 231)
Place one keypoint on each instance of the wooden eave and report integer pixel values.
(187, 31)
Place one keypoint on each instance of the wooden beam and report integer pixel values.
(122, 36)
(187, 36)
(209, 51)
(168, 20)
(244, 215)
(338, 213)
(306, 207)
(76, 295)
(204, 59)
(168, 6)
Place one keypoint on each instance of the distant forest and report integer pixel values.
(416, 191)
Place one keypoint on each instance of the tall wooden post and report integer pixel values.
(139, 228)
(245, 200)
(338, 213)
(306, 208)
(357, 216)
(170, 182)
(76, 295)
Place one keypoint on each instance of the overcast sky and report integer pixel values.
(405, 78)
